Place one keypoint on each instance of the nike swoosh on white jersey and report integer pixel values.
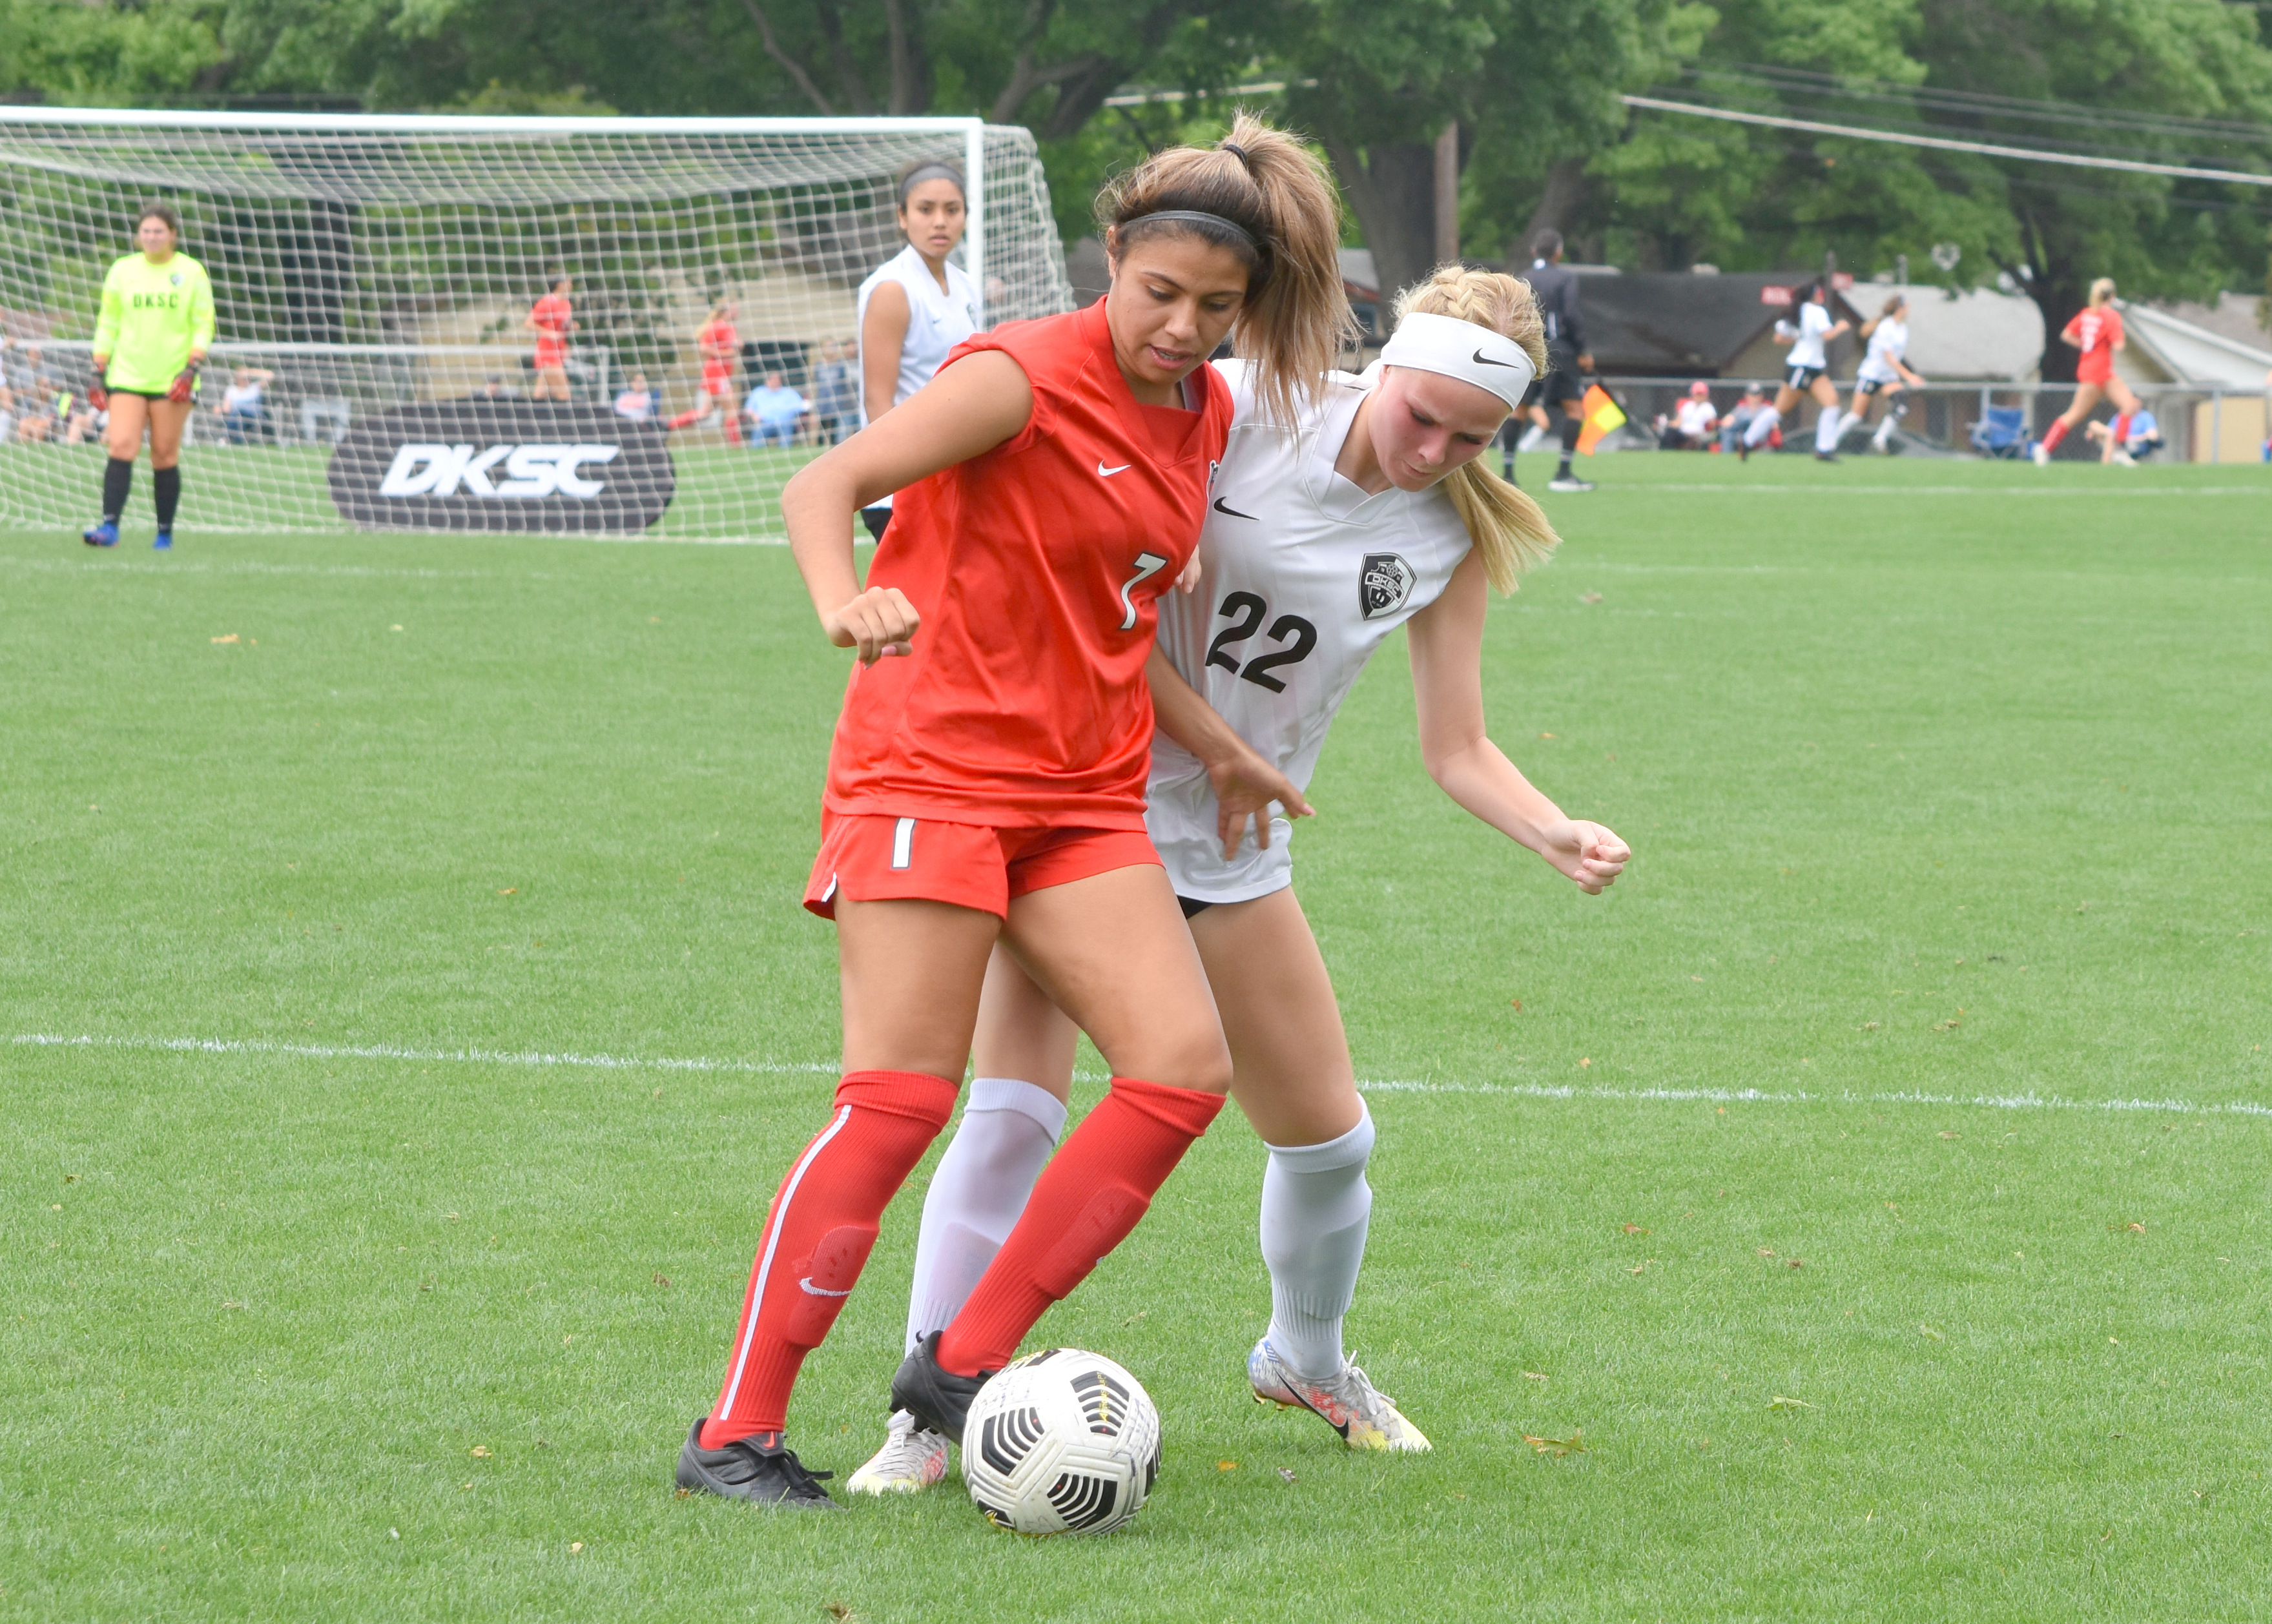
(1109, 472)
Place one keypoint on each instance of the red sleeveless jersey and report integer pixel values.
(1035, 567)
(2096, 330)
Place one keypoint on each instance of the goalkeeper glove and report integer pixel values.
(184, 387)
(98, 392)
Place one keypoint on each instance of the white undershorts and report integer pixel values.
(1180, 817)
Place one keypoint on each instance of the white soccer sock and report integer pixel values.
(1827, 428)
(1315, 1207)
(1007, 1131)
(1762, 425)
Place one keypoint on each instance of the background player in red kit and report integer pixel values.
(551, 318)
(987, 777)
(2096, 331)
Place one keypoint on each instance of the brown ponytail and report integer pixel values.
(1508, 529)
(1284, 222)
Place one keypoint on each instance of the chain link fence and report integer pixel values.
(2192, 423)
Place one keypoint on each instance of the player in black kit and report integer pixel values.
(1562, 384)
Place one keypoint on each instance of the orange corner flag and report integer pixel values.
(1602, 415)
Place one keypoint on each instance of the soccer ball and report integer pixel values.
(1061, 1442)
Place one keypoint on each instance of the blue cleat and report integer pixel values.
(164, 542)
(103, 534)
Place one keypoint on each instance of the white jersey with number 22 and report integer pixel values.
(1302, 577)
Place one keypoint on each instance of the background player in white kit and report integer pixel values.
(1368, 513)
(1883, 370)
(915, 307)
(1809, 361)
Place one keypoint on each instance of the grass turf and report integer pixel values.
(1815, 1187)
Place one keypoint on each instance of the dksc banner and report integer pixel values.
(543, 465)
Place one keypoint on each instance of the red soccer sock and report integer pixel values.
(2118, 437)
(2053, 434)
(1092, 1193)
(816, 1237)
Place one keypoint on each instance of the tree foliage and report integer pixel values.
(1533, 85)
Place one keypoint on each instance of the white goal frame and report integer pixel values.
(817, 155)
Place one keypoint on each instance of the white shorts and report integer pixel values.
(1180, 817)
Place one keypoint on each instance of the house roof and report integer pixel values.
(2190, 352)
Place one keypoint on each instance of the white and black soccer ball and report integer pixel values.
(1061, 1442)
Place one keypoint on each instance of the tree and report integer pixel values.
(1529, 82)
(2136, 79)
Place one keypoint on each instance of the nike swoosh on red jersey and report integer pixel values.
(1109, 472)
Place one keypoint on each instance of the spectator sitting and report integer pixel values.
(775, 411)
(35, 410)
(2144, 439)
(1691, 422)
(1741, 415)
(7, 412)
(637, 402)
(495, 388)
(835, 394)
(242, 408)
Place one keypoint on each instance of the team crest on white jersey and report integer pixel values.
(1382, 585)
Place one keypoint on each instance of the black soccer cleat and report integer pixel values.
(936, 1397)
(746, 1470)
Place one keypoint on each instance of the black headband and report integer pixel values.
(921, 173)
(1197, 217)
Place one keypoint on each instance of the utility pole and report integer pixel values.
(1448, 195)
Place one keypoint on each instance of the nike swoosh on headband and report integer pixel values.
(1488, 362)
(1109, 472)
(1234, 512)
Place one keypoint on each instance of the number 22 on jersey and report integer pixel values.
(1246, 612)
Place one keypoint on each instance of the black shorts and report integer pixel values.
(1801, 379)
(140, 394)
(1559, 383)
(1863, 387)
(1193, 905)
(876, 518)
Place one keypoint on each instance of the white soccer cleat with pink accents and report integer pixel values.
(1348, 1403)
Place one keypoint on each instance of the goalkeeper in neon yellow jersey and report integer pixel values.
(157, 319)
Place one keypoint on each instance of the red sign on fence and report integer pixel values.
(1772, 295)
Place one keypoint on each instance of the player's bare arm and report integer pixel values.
(968, 409)
(883, 334)
(1446, 641)
(1245, 784)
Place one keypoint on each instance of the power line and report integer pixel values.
(1986, 149)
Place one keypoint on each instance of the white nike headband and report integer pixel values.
(1461, 350)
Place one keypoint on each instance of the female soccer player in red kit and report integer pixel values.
(552, 319)
(2096, 331)
(987, 776)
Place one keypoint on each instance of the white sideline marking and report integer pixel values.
(1775, 1097)
(1522, 1090)
(1952, 490)
(388, 1051)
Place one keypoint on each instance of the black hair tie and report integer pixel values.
(1237, 151)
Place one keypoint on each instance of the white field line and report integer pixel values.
(1945, 490)
(1520, 1091)
(388, 1051)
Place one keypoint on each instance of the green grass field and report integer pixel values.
(1873, 1183)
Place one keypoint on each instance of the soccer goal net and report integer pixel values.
(381, 360)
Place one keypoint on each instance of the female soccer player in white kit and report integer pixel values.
(1370, 512)
(1804, 374)
(1883, 369)
(915, 307)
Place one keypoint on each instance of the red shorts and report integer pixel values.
(877, 858)
(550, 353)
(2094, 368)
(717, 378)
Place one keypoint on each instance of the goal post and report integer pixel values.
(375, 364)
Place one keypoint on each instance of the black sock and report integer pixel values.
(166, 493)
(117, 479)
(1570, 428)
